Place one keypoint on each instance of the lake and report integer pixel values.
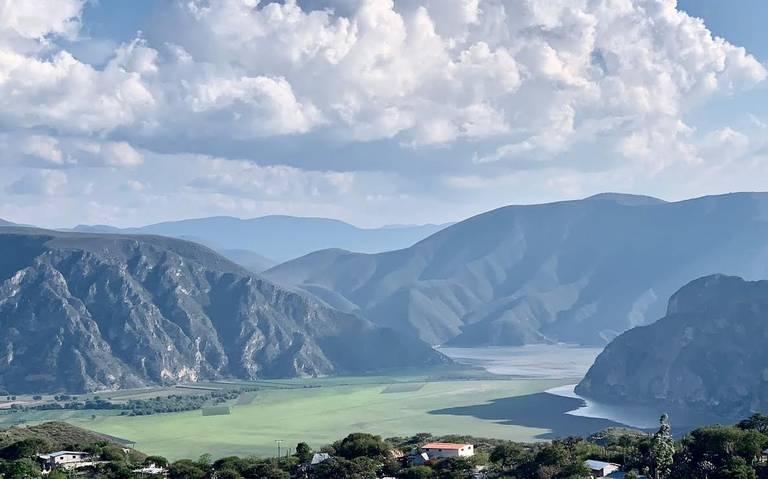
(559, 409)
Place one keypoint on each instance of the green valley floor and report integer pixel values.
(318, 415)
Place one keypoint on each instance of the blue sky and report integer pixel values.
(407, 112)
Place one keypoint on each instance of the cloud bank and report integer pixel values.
(348, 105)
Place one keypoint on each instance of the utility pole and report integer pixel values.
(279, 442)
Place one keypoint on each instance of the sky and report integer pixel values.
(372, 111)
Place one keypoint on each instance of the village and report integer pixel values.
(79, 463)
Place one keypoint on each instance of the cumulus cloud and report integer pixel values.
(45, 151)
(246, 179)
(426, 72)
(278, 91)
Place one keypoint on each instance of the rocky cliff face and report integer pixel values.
(576, 271)
(708, 353)
(86, 312)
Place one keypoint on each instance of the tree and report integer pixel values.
(158, 461)
(362, 445)
(507, 456)
(228, 474)
(204, 461)
(25, 448)
(303, 452)
(265, 470)
(113, 453)
(19, 469)
(757, 422)
(185, 469)
(662, 449)
(737, 468)
(417, 472)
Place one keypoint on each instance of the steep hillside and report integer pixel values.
(281, 238)
(577, 271)
(708, 353)
(249, 260)
(85, 312)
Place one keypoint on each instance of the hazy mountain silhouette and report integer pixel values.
(280, 238)
(575, 271)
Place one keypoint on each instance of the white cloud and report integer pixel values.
(246, 179)
(431, 72)
(48, 152)
(39, 183)
(588, 89)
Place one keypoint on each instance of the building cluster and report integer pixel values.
(72, 460)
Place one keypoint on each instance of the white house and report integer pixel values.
(600, 468)
(65, 460)
(152, 469)
(437, 450)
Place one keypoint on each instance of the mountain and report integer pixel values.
(281, 238)
(93, 311)
(249, 260)
(707, 354)
(575, 271)
(5, 223)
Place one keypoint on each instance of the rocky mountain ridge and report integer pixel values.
(86, 312)
(706, 354)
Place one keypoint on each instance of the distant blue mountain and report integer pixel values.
(574, 271)
(280, 238)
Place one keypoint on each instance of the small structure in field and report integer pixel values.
(600, 468)
(438, 450)
(67, 460)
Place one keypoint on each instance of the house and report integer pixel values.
(319, 458)
(65, 460)
(437, 450)
(152, 469)
(600, 468)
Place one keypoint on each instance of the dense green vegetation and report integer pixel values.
(140, 407)
(712, 452)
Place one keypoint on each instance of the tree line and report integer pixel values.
(712, 452)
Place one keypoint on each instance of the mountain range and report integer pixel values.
(83, 312)
(706, 354)
(575, 271)
(278, 238)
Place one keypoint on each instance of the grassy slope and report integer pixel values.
(319, 416)
(59, 434)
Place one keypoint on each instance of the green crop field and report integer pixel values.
(319, 412)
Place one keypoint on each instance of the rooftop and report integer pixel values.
(444, 445)
(597, 465)
(62, 453)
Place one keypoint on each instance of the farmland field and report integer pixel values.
(443, 400)
(319, 415)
